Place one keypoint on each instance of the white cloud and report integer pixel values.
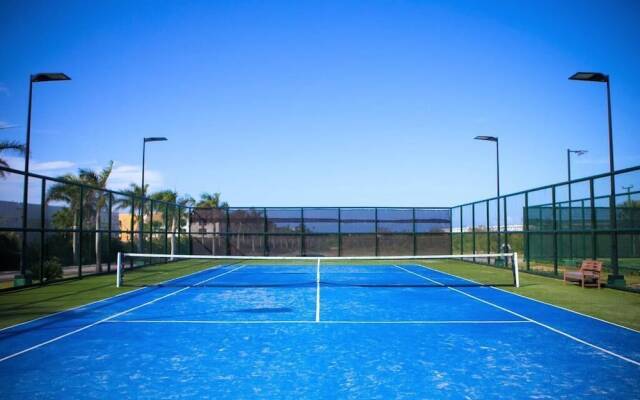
(52, 166)
(125, 174)
(6, 125)
(45, 167)
(4, 89)
(121, 177)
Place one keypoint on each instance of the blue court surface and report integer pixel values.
(352, 332)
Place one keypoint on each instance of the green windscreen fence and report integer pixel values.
(321, 231)
(73, 230)
(555, 227)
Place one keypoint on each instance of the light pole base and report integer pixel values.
(616, 280)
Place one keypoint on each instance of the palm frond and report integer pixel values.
(12, 145)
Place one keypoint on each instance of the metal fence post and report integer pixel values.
(415, 244)
(189, 225)
(583, 217)
(450, 230)
(376, 229)
(131, 232)
(594, 221)
(473, 229)
(109, 229)
(339, 231)
(42, 227)
(302, 236)
(166, 228)
(506, 230)
(487, 204)
(527, 239)
(461, 233)
(151, 230)
(555, 231)
(228, 243)
(177, 230)
(80, 230)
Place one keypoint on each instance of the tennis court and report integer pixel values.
(384, 329)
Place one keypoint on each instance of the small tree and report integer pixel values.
(180, 204)
(70, 194)
(209, 200)
(97, 200)
(134, 201)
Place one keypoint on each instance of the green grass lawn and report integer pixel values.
(608, 304)
(26, 304)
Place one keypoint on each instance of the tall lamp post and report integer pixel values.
(36, 78)
(615, 278)
(578, 153)
(628, 189)
(144, 148)
(495, 139)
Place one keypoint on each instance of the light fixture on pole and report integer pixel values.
(578, 153)
(628, 189)
(615, 278)
(142, 188)
(36, 78)
(495, 139)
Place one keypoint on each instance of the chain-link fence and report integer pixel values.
(320, 231)
(74, 229)
(556, 227)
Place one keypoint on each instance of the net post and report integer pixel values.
(318, 290)
(119, 269)
(516, 271)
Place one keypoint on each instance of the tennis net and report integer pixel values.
(500, 269)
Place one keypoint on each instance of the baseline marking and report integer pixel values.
(258, 322)
(55, 339)
(526, 318)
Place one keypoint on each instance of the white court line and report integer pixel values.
(536, 300)
(318, 291)
(55, 339)
(257, 322)
(219, 266)
(526, 318)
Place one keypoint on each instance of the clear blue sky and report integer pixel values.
(324, 103)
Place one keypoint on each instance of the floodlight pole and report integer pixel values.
(25, 191)
(41, 77)
(628, 189)
(496, 140)
(144, 148)
(615, 278)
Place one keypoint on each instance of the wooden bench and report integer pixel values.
(589, 274)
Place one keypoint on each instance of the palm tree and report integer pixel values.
(185, 203)
(70, 194)
(179, 205)
(9, 145)
(134, 200)
(97, 199)
(209, 201)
